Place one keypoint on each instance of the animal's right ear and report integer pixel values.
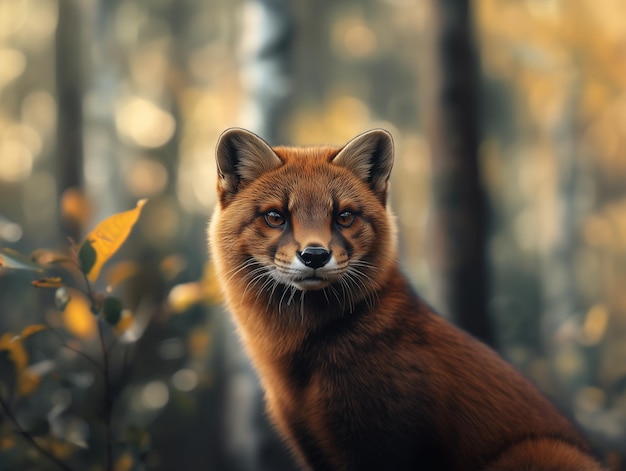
(241, 157)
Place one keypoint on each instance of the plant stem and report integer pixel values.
(89, 292)
(77, 351)
(108, 394)
(47, 453)
(108, 399)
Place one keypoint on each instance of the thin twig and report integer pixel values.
(126, 367)
(47, 453)
(108, 394)
(77, 351)
(89, 292)
(108, 399)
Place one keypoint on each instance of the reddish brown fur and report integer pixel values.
(372, 378)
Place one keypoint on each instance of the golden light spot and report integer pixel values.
(7, 442)
(353, 37)
(184, 296)
(198, 341)
(16, 161)
(360, 41)
(26, 135)
(41, 22)
(155, 395)
(569, 361)
(143, 123)
(59, 448)
(543, 9)
(590, 399)
(595, 325)
(12, 16)
(39, 110)
(348, 114)
(75, 207)
(146, 177)
(185, 380)
(172, 266)
(124, 462)
(13, 65)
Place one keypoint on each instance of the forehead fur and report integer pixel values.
(308, 154)
(308, 175)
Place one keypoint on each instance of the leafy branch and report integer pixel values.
(84, 310)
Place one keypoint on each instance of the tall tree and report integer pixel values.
(458, 221)
(69, 87)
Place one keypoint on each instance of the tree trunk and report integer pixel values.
(69, 86)
(458, 221)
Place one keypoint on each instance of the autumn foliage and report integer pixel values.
(85, 319)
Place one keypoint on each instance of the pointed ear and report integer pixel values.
(241, 157)
(370, 157)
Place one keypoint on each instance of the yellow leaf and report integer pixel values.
(32, 329)
(52, 282)
(109, 235)
(78, 318)
(16, 350)
(27, 382)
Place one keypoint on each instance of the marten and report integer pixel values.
(359, 372)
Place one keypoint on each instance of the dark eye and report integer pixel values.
(274, 219)
(345, 219)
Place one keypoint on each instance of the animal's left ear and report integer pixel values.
(370, 157)
(241, 157)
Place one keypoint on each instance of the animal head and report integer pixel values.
(307, 218)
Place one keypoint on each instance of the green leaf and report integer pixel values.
(112, 310)
(87, 256)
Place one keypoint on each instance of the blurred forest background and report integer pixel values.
(509, 118)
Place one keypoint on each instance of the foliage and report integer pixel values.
(92, 326)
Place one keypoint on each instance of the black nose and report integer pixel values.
(314, 257)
